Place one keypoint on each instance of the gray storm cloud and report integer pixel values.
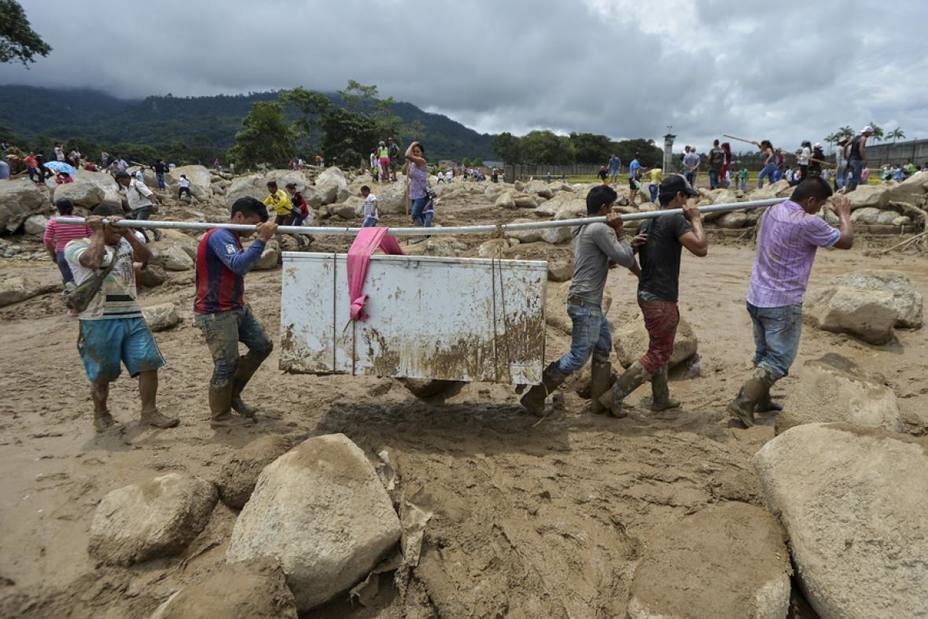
(786, 71)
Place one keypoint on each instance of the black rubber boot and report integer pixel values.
(600, 382)
(631, 379)
(660, 392)
(220, 407)
(751, 393)
(534, 400)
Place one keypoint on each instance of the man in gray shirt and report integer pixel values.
(597, 246)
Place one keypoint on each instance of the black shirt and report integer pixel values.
(854, 155)
(660, 257)
(160, 168)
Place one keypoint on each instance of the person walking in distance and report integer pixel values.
(113, 331)
(716, 162)
(416, 170)
(659, 243)
(725, 176)
(790, 233)
(137, 198)
(596, 246)
(383, 155)
(857, 157)
(160, 169)
(769, 163)
(614, 165)
(691, 164)
(224, 317)
(634, 180)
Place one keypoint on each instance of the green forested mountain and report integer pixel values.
(184, 128)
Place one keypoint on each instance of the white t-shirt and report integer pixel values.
(138, 195)
(116, 298)
(184, 182)
(59, 153)
(804, 155)
(370, 207)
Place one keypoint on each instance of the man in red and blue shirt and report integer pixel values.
(223, 315)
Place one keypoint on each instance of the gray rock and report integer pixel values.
(251, 589)
(853, 502)
(239, 474)
(151, 519)
(161, 317)
(728, 560)
(560, 267)
(18, 200)
(199, 177)
(556, 236)
(171, 256)
(82, 192)
(524, 201)
(153, 275)
(868, 195)
(835, 389)
(321, 510)
(733, 220)
(866, 314)
(505, 201)
(35, 225)
(907, 300)
(270, 257)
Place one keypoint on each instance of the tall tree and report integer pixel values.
(265, 137)
(548, 148)
(877, 132)
(18, 41)
(508, 147)
(348, 137)
(896, 134)
(592, 148)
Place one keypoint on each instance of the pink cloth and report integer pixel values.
(365, 244)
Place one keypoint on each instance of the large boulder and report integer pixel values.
(834, 388)
(631, 342)
(505, 201)
(866, 314)
(868, 195)
(82, 192)
(16, 288)
(20, 199)
(161, 317)
(557, 235)
(321, 510)
(239, 474)
(391, 200)
(151, 519)
(907, 300)
(170, 255)
(35, 225)
(332, 186)
(270, 257)
(728, 560)
(250, 589)
(186, 242)
(560, 266)
(521, 200)
(199, 177)
(734, 220)
(853, 502)
(101, 180)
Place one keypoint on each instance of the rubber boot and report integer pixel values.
(630, 380)
(660, 392)
(767, 405)
(534, 400)
(220, 407)
(247, 365)
(751, 393)
(600, 382)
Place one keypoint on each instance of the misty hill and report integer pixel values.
(203, 126)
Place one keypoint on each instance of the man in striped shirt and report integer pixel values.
(57, 236)
(790, 234)
(223, 315)
(112, 329)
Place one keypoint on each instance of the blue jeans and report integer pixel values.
(66, 275)
(591, 334)
(369, 222)
(105, 344)
(856, 168)
(417, 205)
(652, 189)
(841, 177)
(160, 178)
(223, 331)
(713, 179)
(776, 337)
(691, 178)
(768, 172)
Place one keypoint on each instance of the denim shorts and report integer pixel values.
(776, 337)
(104, 344)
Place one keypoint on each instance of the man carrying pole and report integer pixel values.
(596, 246)
(659, 243)
(790, 234)
(223, 315)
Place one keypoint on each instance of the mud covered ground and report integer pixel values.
(530, 518)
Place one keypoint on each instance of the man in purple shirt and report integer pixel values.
(790, 233)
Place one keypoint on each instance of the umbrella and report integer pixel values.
(60, 166)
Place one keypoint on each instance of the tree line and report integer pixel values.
(547, 147)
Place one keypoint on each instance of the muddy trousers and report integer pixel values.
(223, 331)
(591, 334)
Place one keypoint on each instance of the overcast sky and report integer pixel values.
(787, 70)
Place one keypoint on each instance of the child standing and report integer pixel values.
(371, 214)
(743, 179)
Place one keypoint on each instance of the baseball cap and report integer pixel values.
(676, 183)
(867, 129)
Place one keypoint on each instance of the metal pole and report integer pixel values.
(481, 229)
